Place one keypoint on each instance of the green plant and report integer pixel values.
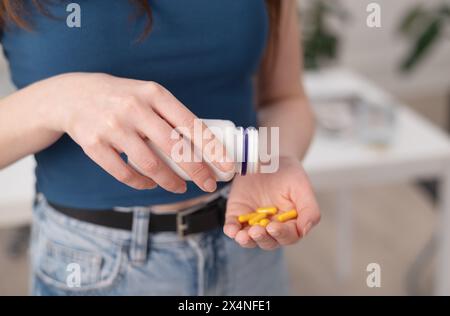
(320, 42)
(424, 27)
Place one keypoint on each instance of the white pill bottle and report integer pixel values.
(241, 146)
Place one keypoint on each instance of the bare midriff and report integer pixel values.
(174, 207)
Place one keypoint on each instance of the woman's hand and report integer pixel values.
(287, 189)
(108, 116)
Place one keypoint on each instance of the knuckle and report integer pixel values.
(187, 122)
(112, 120)
(131, 104)
(199, 171)
(151, 165)
(93, 143)
(155, 88)
(124, 175)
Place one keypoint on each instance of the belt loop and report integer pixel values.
(139, 235)
(225, 191)
(39, 198)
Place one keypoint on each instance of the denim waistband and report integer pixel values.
(115, 261)
(119, 235)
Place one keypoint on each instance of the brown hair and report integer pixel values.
(15, 11)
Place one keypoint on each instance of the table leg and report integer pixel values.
(442, 274)
(344, 233)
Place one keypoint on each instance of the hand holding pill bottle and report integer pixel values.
(241, 145)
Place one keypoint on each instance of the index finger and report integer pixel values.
(179, 116)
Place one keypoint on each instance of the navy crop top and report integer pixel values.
(205, 52)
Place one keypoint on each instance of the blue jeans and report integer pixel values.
(70, 257)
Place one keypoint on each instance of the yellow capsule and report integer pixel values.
(246, 217)
(264, 222)
(255, 219)
(283, 217)
(270, 210)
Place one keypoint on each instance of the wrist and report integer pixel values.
(51, 104)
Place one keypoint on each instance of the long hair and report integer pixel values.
(16, 12)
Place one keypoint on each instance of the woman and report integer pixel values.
(89, 97)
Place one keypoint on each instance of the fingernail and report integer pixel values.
(181, 189)
(227, 166)
(307, 228)
(274, 232)
(210, 185)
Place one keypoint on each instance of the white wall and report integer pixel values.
(5, 84)
(16, 181)
(377, 52)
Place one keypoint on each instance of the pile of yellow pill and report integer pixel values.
(263, 215)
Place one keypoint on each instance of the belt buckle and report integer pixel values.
(181, 225)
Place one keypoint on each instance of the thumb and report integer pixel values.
(232, 225)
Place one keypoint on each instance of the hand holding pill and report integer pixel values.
(271, 210)
(262, 216)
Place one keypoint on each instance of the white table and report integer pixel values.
(418, 151)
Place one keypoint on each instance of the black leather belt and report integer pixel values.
(185, 222)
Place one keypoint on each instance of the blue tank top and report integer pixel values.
(205, 52)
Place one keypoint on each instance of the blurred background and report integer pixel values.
(378, 75)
